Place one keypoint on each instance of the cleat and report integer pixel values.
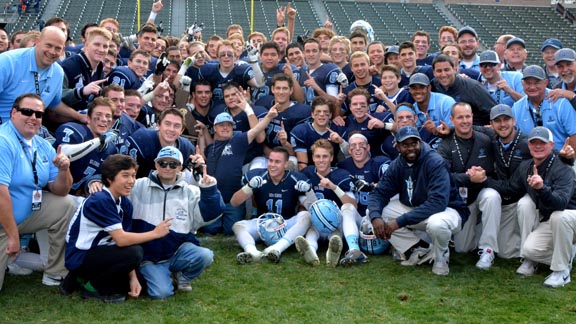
(558, 279)
(440, 266)
(419, 256)
(247, 257)
(334, 251)
(306, 251)
(527, 268)
(353, 257)
(486, 259)
(272, 255)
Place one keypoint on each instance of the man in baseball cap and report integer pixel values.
(468, 42)
(548, 49)
(505, 87)
(566, 67)
(516, 54)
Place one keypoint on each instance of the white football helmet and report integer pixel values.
(325, 215)
(271, 228)
(366, 27)
(368, 242)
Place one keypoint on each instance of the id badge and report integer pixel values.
(463, 193)
(36, 200)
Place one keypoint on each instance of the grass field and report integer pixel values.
(381, 291)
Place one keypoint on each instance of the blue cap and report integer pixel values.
(515, 40)
(489, 57)
(169, 152)
(467, 29)
(564, 55)
(541, 133)
(224, 118)
(419, 78)
(533, 71)
(551, 42)
(407, 132)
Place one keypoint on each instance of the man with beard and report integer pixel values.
(564, 61)
(468, 42)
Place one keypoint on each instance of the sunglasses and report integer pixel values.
(171, 164)
(226, 54)
(484, 65)
(29, 112)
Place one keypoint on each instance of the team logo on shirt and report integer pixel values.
(409, 188)
(227, 150)
(482, 153)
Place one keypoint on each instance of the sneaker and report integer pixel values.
(440, 266)
(353, 257)
(49, 280)
(17, 270)
(183, 283)
(558, 279)
(486, 259)
(306, 251)
(419, 256)
(247, 257)
(113, 299)
(334, 251)
(272, 255)
(527, 268)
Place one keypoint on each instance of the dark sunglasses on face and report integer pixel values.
(29, 112)
(171, 164)
(483, 65)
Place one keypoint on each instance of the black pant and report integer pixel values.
(107, 267)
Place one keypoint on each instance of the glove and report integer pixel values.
(185, 83)
(128, 42)
(193, 30)
(146, 86)
(302, 186)
(185, 64)
(342, 79)
(361, 185)
(161, 64)
(190, 107)
(253, 54)
(302, 38)
(111, 137)
(160, 28)
(256, 182)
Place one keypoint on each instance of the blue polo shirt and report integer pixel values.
(439, 108)
(559, 117)
(16, 168)
(514, 80)
(17, 69)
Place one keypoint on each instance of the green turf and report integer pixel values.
(381, 291)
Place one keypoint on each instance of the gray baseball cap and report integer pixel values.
(500, 110)
(533, 71)
(564, 55)
(541, 133)
(489, 57)
(467, 29)
(419, 78)
(516, 40)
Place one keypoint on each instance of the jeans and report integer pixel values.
(189, 261)
(224, 223)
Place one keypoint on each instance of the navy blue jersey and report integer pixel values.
(124, 126)
(194, 74)
(326, 76)
(124, 77)
(265, 90)
(374, 102)
(375, 136)
(339, 177)
(371, 172)
(241, 74)
(224, 161)
(347, 70)
(98, 215)
(405, 79)
(148, 117)
(279, 198)
(403, 95)
(304, 135)
(78, 73)
(144, 146)
(297, 114)
(87, 168)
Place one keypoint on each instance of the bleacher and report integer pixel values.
(533, 24)
(393, 22)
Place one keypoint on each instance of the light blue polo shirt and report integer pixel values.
(16, 168)
(439, 108)
(514, 80)
(17, 69)
(559, 117)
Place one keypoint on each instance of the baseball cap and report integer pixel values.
(515, 40)
(551, 42)
(467, 29)
(394, 49)
(541, 133)
(224, 118)
(533, 71)
(419, 78)
(169, 152)
(489, 57)
(500, 110)
(407, 132)
(565, 54)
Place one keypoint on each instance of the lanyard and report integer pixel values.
(36, 82)
(543, 174)
(501, 151)
(536, 114)
(460, 152)
(498, 91)
(33, 162)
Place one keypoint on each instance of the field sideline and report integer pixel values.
(381, 291)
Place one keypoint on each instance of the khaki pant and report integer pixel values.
(54, 216)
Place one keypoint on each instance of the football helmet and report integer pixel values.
(271, 228)
(366, 27)
(325, 215)
(368, 242)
